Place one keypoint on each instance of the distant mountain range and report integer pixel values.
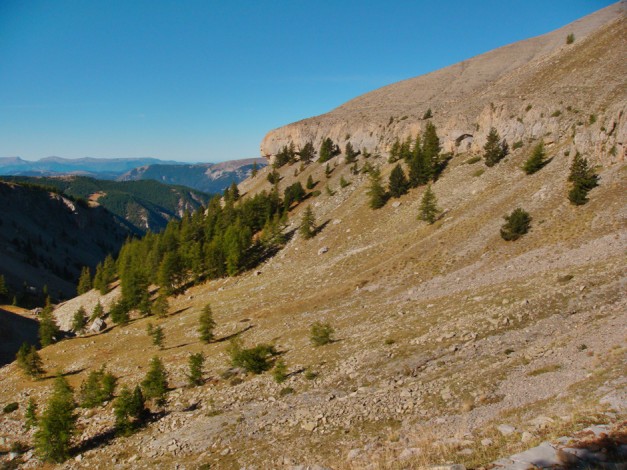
(207, 177)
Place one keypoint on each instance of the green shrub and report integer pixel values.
(518, 144)
(280, 372)
(310, 374)
(570, 38)
(255, 359)
(196, 362)
(473, 160)
(286, 391)
(556, 113)
(516, 225)
(321, 334)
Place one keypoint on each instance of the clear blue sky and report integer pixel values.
(205, 80)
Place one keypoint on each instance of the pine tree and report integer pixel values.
(30, 415)
(196, 362)
(155, 384)
(376, 192)
(428, 114)
(428, 206)
(536, 161)
(57, 424)
(157, 334)
(327, 150)
(398, 184)
(79, 320)
(169, 275)
(160, 306)
(516, 225)
(350, 155)
(119, 312)
(327, 171)
(494, 150)
(431, 147)
(583, 179)
(97, 389)
(310, 183)
(308, 224)
(84, 282)
(129, 410)
(98, 312)
(254, 170)
(206, 324)
(234, 191)
(420, 170)
(48, 328)
(29, 361)
(307, 153)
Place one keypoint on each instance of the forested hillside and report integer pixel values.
(144, 205)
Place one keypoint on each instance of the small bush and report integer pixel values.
(286, 391)
(280, 372)
(10, 408)
(473, 160)
(518, 144)
(592, 119)
(18, 447)
(529, 106)
(556, 113)
(321, 334)
(343, 182)
(97, 389)
(389, 341)
(428, 114)
(255, 359)
(516, 225)
(478, 173)
(310, 374)
(570, 38)
(315, 193)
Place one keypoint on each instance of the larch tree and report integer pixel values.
(428, 206)
(206, 324)
(398, 184)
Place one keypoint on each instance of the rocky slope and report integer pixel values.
(452, 345)
(540, 87)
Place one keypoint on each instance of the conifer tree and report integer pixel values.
(583, 179)
(428, 206)
(536, 161)
(160, 306)
(307, 153)
(119, 312)
(328, 170)
(254, 170)
(48, 328)
(196, 362)
(129, 410)
(206, 324)
(327, 150)
(97, 389)
(308, 224)
(420, 170)
(29, 361)
(169, 275)
(494, 150)
(157, 334)
(350, 155)
(30, 415)
(516, 225)
(321, 333)
(234, 191)
(84, 281)
(57, 424)
(310, 183)
(98, 312)
(79, 320)
(431, 147)
(155, 384)
(376, 192)
(398, 184)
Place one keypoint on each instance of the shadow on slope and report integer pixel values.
(15, 330)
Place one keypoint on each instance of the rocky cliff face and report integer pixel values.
(541, 88)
